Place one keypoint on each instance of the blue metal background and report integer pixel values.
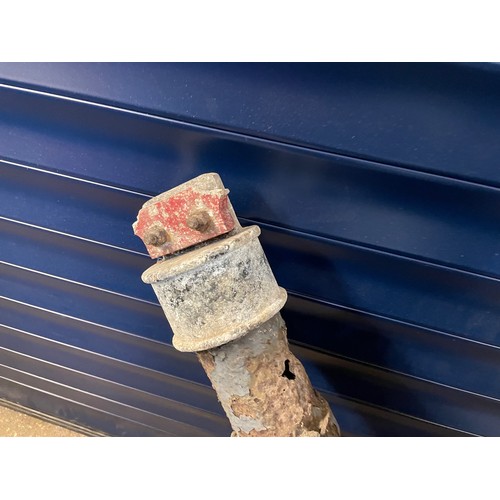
(377, 190)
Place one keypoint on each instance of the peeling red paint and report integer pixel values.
(172, 215)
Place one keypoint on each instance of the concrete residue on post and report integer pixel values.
(222, 301)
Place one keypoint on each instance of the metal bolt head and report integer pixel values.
(156, 237)
(199, 221)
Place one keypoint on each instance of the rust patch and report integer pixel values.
(277, 398)
(207, 361)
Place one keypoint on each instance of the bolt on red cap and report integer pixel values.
(186, 215)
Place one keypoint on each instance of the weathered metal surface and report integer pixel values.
(216, 293)
(222, 301)
(264, 388)
(193, 212)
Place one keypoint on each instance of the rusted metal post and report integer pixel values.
(220, 296)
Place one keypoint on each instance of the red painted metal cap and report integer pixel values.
(186, 215)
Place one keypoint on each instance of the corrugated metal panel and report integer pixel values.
(376, 187)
